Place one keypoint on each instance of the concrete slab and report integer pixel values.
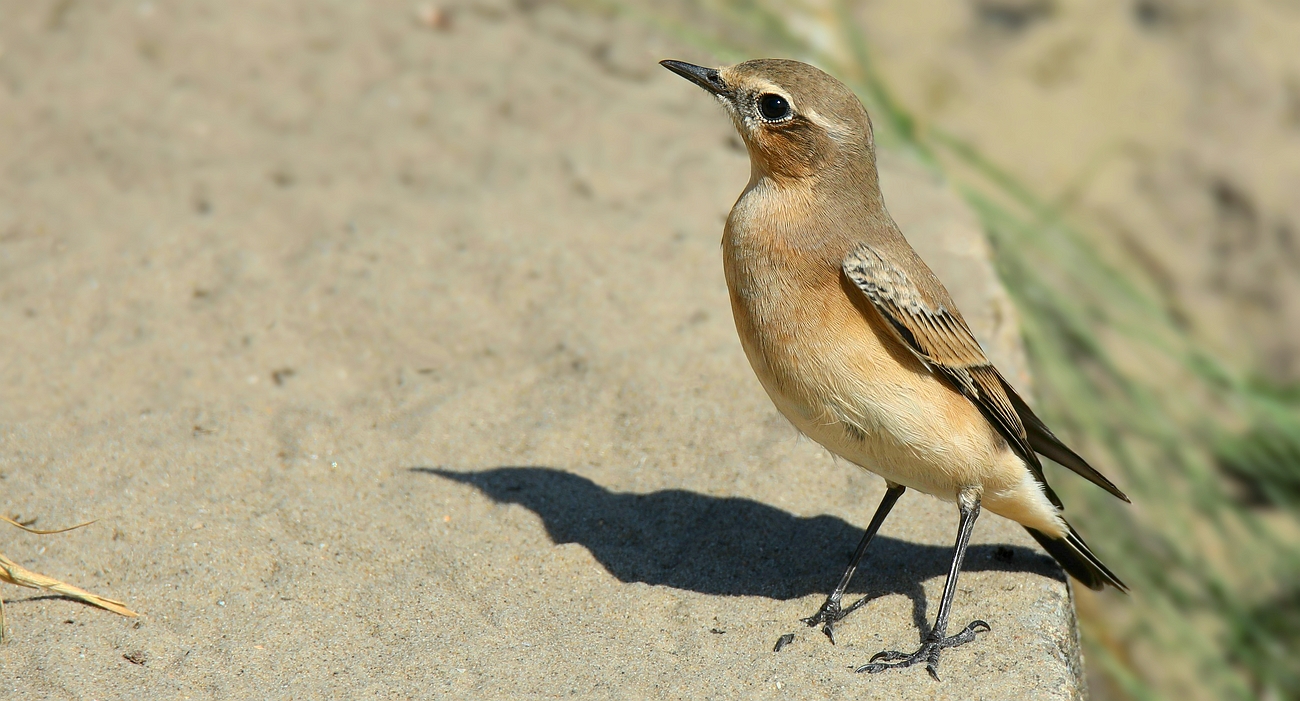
(395, 359)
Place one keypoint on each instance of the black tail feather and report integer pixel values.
(1075, 557)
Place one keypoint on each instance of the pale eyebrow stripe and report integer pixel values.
(837, 132)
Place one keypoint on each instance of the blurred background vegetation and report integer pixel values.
(1131, 164)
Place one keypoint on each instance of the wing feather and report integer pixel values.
(942, 340)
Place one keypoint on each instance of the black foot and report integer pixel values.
(929, 652)
(829, 614)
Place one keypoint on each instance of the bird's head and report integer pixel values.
(796, 120)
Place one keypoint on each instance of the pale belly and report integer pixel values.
(888, 425)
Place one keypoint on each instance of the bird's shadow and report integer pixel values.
(728, 546)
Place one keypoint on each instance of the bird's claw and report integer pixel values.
(831, 613)
(888, 656)
(826, 617)
(928, 653)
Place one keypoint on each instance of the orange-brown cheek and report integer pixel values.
(781, 156)
(787, 152)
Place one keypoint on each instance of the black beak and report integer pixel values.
(706, 78)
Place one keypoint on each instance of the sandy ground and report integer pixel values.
(395, 361)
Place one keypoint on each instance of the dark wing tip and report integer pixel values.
(1078, 560)
(1051, 447)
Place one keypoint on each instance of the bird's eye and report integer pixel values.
(773, 107)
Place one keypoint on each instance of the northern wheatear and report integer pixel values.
(860, 346)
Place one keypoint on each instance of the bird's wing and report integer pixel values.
(942, 340)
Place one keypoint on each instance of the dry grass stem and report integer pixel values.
(37, 531)
(15, 573)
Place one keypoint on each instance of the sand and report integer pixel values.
(391, 350)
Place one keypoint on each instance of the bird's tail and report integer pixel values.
(1075, 557)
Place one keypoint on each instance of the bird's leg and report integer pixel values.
(935, 642)
(831, 611)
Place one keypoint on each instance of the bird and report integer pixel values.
(860, 346)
